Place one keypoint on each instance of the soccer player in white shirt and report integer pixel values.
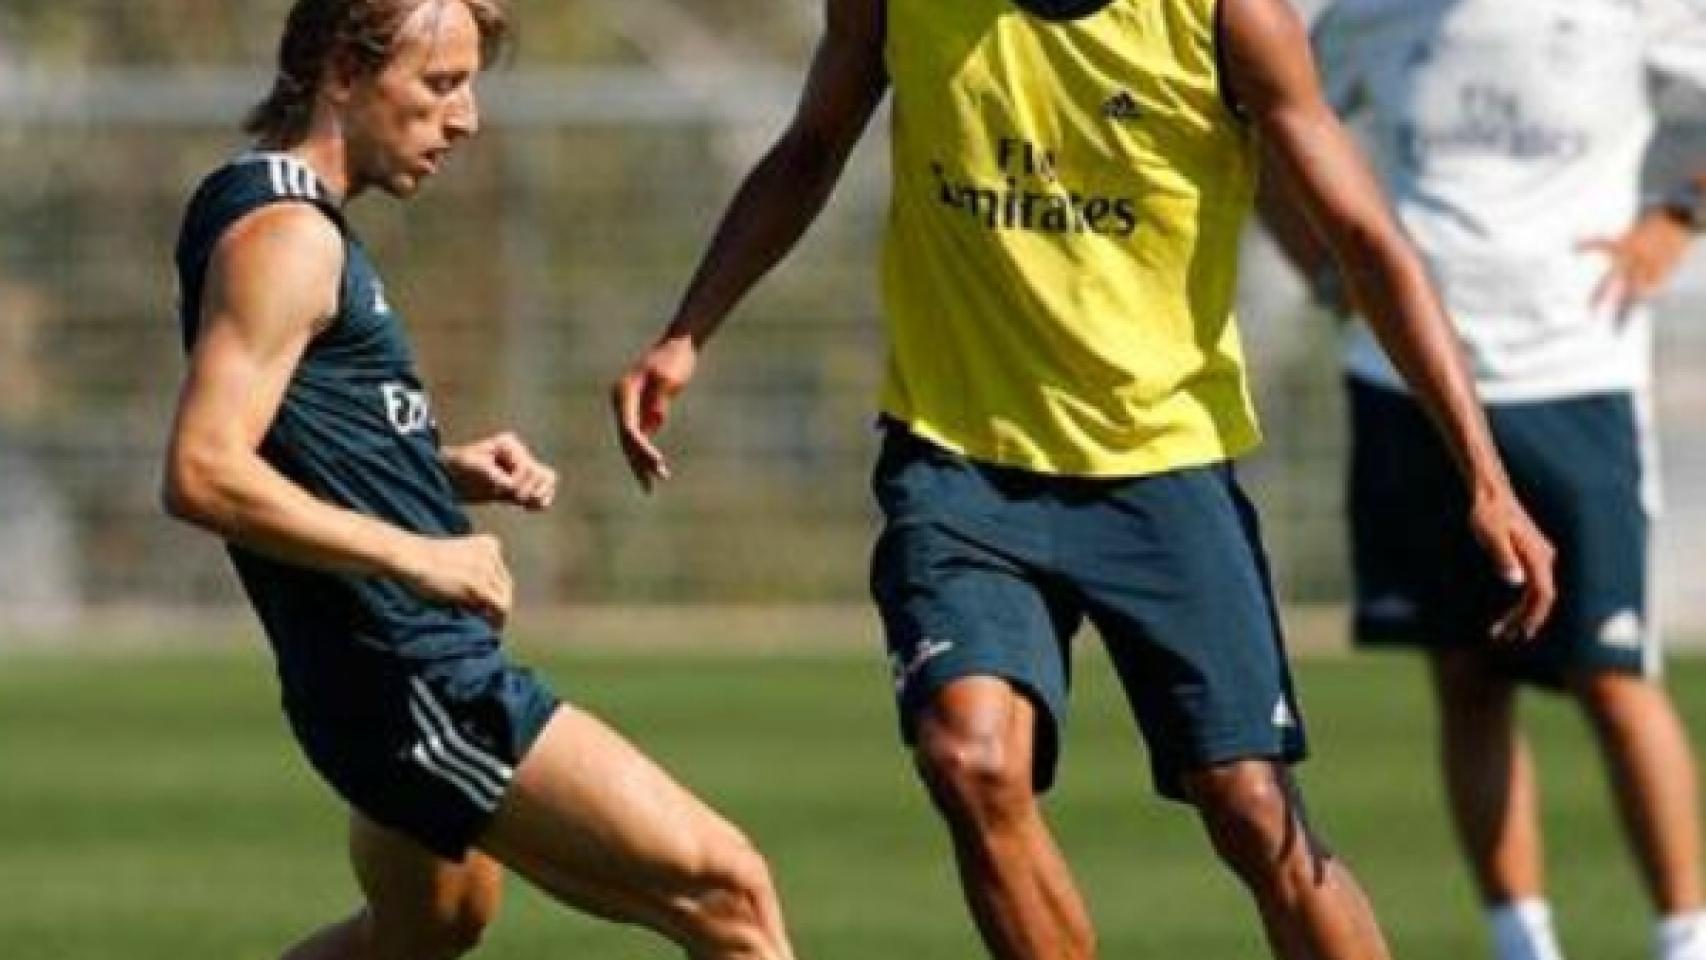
(1511, 136)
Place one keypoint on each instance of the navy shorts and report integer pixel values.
(985, 571)
(1423, 580)
(424, 747)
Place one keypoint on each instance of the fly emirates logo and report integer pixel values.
(1033, 198)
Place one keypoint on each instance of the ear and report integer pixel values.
(342, 72)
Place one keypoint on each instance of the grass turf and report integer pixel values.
(152, 806)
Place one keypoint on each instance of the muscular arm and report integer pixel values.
(272, 282)
(1306, 149)
(772, 209)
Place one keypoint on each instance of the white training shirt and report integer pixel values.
(1506, 133)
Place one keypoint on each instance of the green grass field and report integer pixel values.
(152, 806)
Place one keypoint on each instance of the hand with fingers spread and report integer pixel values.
(501, 469)
(641, 401)
(467, 572)
(1523, 557)
(1640, 262)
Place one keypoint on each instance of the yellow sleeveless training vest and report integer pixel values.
(1063, 237)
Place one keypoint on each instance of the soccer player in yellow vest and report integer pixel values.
(1066, 395)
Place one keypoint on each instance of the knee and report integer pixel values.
(1250, 817)
(1606, 694)
(459, 932)
(731, 906)
(975, 775)
(450, 930)
(1620, 703)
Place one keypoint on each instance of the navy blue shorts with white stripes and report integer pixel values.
(427, 748)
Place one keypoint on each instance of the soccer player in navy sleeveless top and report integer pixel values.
(305, 440)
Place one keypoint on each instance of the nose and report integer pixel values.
(462, 120)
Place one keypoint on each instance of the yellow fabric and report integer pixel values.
(1063, 237)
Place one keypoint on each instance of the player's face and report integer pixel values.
(404, 120)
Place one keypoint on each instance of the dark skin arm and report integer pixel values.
(1320, 170)
(775, 205)
(1299, 244)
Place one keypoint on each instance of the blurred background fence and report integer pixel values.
(531, 272)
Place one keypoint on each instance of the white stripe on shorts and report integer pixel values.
(422, 754)
(437, 728)
(447, 759)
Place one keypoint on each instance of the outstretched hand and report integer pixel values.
(1523, 557)
(641, 400)
(500, 469)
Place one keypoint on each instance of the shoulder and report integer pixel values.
(286, 255)
(293, 231)
(241, 190)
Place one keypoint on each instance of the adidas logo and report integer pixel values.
(1623, 630)
(1122, 106)
(1283, 717)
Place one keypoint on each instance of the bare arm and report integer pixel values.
(774, 206)
(788, 188)
(1300, 245)
(1305, 147)
(272, 282)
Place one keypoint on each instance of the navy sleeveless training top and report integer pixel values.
(355, 428)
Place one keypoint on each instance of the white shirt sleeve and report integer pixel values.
(1676, 39)
(1335, 58)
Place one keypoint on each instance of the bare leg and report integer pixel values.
(1647, 753)
(1489, 778)
(975, 755)
(1311, 906)
(593, 822)
(419, 906)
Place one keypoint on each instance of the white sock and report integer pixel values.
(1680, 936)
(1522, 930)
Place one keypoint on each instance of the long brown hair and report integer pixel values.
(366, 32)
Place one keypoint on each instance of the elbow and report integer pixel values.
(809, 157)
(179, 499)
(187, 493)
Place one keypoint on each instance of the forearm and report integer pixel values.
(251, 504)
(1292, 233)
(1387, 278)
(453, 457)
(775, 205)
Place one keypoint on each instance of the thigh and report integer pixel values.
(1173, 576)
(1577, 464)
(953, 609)
(1408, 523)
(601, 827)
(425, 749)
(959, 578)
